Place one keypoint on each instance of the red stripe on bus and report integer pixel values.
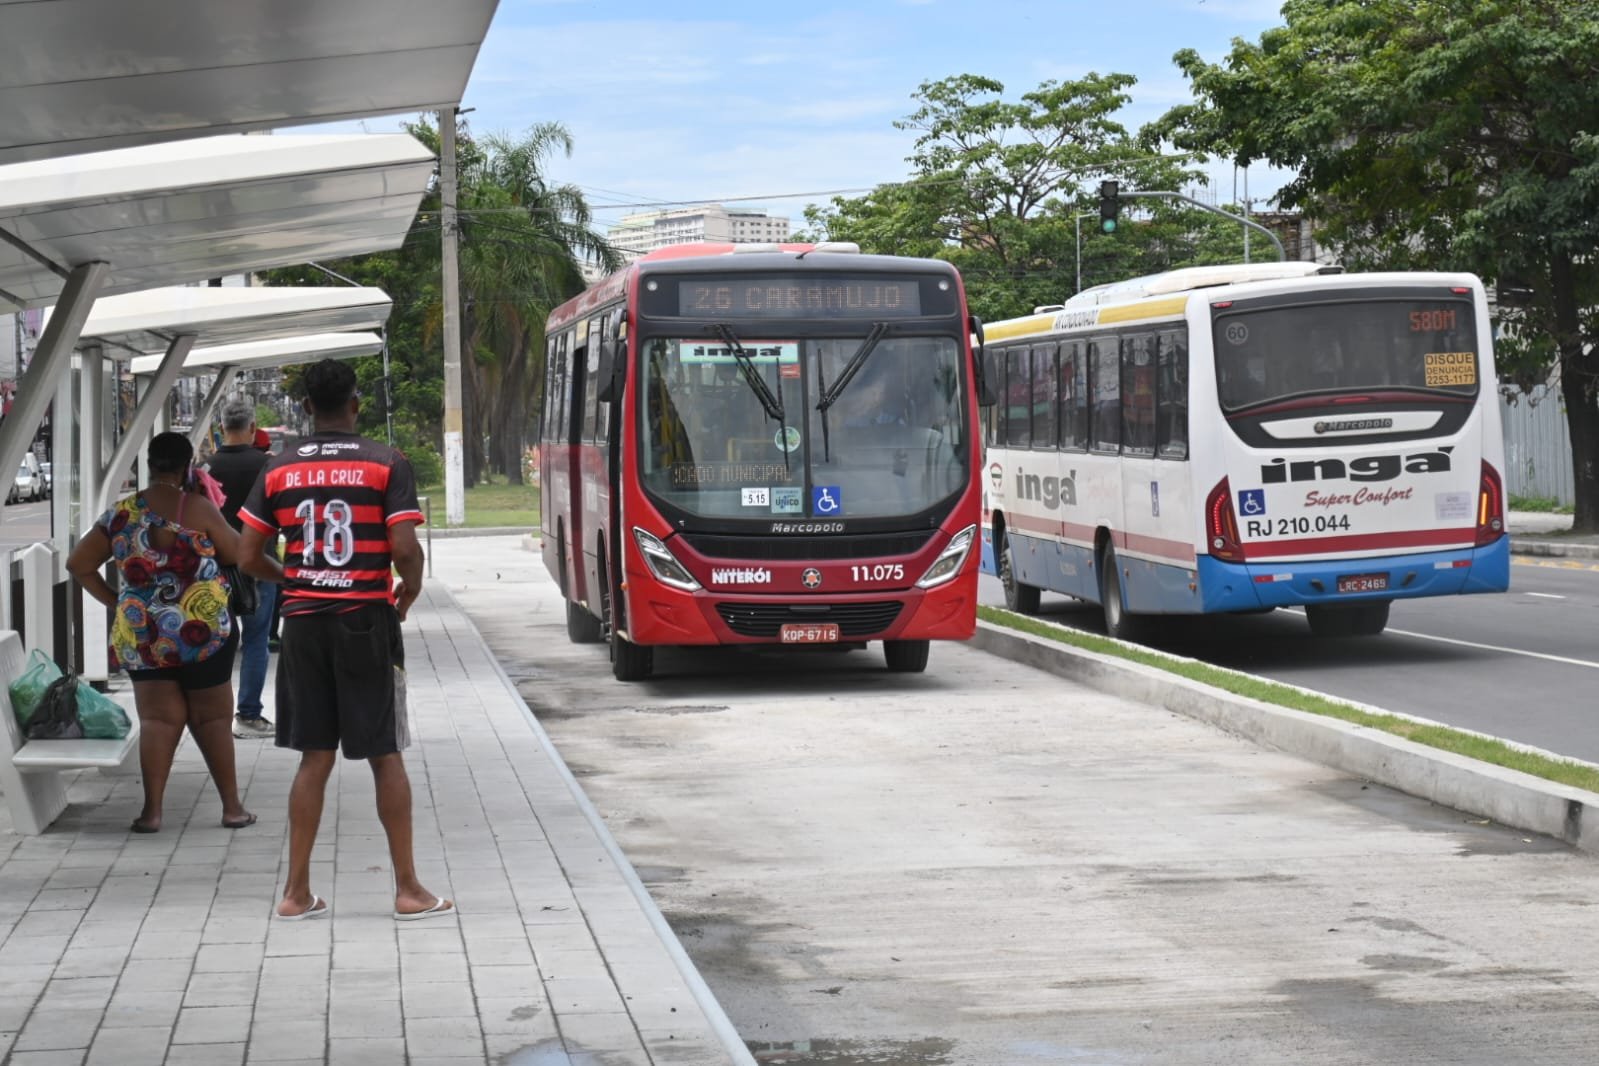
(1178, 552)
(1406, 538)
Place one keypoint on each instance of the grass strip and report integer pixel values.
(1470, 745)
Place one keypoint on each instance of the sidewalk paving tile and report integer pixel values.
(137, 949)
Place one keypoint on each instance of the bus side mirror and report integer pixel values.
(987, 373)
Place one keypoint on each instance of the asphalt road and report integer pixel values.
(1522, 665)
(21, 524)
(986, 865)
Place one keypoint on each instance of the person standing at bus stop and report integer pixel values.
(347, 507)
(237, 465)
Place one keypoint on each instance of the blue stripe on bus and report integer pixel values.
(1162, 588)
(1232, 586)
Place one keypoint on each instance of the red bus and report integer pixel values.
(763, 444)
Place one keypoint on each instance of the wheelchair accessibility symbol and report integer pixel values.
(825, 499)
(1252, 502)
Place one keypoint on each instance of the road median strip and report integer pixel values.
(1468, 771)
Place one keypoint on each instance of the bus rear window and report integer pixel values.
(1269, 354)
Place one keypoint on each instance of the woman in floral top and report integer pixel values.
(171, 631)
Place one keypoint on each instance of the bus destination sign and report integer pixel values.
(868, 298)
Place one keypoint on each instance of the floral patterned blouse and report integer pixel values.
(174, 604)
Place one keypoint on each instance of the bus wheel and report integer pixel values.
(1351, 620)
(906, 656)
(581, 626)
(629, 661)
(1018, 597)
(1119, 622)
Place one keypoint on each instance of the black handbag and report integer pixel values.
(56, 717)
(243, 596)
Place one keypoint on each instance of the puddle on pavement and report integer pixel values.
(929, 1051)
(1404, 963)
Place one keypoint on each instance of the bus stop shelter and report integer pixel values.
(90, 75)
(114, 222)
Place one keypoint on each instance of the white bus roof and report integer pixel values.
(1187, 278)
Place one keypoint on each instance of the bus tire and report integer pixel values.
(906, 656)
(581, 626)
(1019, 597)
(1348, 620)
(629, 661)
(1119, 622)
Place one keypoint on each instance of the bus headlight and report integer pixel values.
(949, 561)
(662, 563)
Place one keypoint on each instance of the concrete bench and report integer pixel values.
(33, 772)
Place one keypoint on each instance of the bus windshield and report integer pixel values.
(892, 442)
(1268, 354)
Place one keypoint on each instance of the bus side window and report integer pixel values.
(591, 352)
(1018, 399)
(1104, 383)
(1073, 396)
(1138, 394)
(560, 411)
(1044, 400)
(1172, 395)
(996, 420)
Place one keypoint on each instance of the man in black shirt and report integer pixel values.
(237, 465)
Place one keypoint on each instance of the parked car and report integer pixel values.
(28, 484)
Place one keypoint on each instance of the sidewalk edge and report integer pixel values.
(1508, 797)
(723, 1027)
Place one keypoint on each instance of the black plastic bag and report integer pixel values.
(56, 717)
(243, 596)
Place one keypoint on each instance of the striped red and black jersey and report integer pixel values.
(333, 496)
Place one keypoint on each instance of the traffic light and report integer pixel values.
(1109, 206)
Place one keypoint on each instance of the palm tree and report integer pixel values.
(523, 240)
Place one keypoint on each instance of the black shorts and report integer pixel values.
(191, 677)
(336, 683)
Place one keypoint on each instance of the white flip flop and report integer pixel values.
(441, 906)
(318, 909)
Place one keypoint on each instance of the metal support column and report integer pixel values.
(50, 360)
(145, 417)
(209, 405)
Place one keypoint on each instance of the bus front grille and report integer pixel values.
(861, 546)
(765, 620)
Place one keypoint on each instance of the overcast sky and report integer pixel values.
(721, 101)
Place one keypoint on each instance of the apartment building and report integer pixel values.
(645, 232)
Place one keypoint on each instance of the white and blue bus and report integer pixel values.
(1233, 439)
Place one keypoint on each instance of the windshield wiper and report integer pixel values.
(856, 361)
(752, 377)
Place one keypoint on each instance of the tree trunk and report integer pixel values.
(1579, 384)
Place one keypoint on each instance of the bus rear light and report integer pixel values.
(1490, 506)
(1221, 525)
(949, 561)
(662, 563)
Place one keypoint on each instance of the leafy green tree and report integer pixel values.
(1433, 134)
(997, 187)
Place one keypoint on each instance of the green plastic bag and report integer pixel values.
(101, 716)
(28, 688)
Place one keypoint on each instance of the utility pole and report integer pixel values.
(454, 472)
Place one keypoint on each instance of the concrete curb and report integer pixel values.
(1506, 796)
(737, 1051)
(1553, 548)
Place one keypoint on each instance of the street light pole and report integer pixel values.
(1078, 222)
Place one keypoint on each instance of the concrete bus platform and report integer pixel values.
(135, 949)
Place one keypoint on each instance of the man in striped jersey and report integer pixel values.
(347, 509)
